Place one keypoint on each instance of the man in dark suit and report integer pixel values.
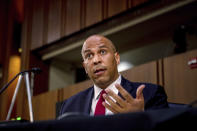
(111, 92)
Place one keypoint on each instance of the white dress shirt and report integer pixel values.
(97, 92)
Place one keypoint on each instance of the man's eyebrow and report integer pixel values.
(88, 50)
(103, 46)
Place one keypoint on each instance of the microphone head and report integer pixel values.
(36, 70)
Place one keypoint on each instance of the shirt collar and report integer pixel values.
(98, 90)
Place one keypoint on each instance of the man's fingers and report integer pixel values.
(117, 98)
(124, 93)
(112, 104)
(109, 107)
(139, 94)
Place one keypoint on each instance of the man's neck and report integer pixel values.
(105, 85)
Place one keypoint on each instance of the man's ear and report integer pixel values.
(117, 57)
(84, 67)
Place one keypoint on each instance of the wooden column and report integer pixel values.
(22, 106)
(4, 32)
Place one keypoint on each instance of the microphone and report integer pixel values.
(34, 70)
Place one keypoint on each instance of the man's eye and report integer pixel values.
(88, 55)
(103, 52)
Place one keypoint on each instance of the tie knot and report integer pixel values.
(102, 92)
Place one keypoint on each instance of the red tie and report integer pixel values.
(100, 109)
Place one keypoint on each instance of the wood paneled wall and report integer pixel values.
(54, 19)
(44, 105)
(94, 9)
(143, 73)
(116, 6)
(179, 79)
(71, 16)
(3, 25)
(37, 20)
(73, 89)
(3, 34)
(6, 49)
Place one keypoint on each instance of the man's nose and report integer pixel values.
(96, 60)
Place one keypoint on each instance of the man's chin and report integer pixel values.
(101, 81)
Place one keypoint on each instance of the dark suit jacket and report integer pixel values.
(154, 96)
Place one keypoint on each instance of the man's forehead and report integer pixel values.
(96, 44)
(97, 41)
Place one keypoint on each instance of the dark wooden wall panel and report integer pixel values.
(105, 9)
(137, 2)
(63, 18)
(180, 81)
(41, 80)
(3, 25)
(37, 24)
(71, 16)
(54, 20)
(8, 50)
(116, 6)
(93, 11)
(3, 36)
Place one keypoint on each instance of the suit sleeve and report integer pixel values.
(158, 99)
(62, 108)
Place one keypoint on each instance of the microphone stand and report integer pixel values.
(21, 75)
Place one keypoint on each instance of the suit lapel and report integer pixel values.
(127, 85)
(88, 101)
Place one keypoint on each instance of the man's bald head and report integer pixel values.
(97, 38)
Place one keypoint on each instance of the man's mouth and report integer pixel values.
(99, 71)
